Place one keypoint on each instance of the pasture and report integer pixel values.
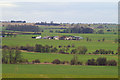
(63, 57)
(108, 44)
(62, 71)
(57, 71)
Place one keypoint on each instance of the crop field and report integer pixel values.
(57, 71)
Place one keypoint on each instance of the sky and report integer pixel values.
(61, 12)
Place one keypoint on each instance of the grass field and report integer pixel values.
(57, 71)
(61, 71)
(108, 44)
(63, 57)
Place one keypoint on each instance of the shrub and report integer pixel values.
(23, 61)
(102, 51)
(74, 60)
(67, 62)
(101, 61)
(46, 62)
(91, 62)
(112, 63)
(79, 63)
(5, 47)
(36, 61)
(56, 61)
(82, 50)
(62, 62)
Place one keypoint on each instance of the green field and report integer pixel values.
(93, 45)
(57, 71)
(62, 71)
(63, 57)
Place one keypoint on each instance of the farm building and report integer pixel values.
(39, 37)
(56, 37)
(77, 37)
(60, 37)
(47, 37)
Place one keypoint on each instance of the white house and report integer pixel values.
(39, 37)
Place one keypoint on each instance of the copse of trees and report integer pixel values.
(36, 61)
(100, 32)
(60, 49)
(29, 28)
(11, 56)
(79, 50)
(48, 24)
(102, 51)
(101, 61)
(77, 30)
(50, 49)
(91, 62)
(56, 61)
(75, 61)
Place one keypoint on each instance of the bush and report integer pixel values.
(112, 63)
(102, 51)
(79, 63)
(74, 60)
(62, 62)
(24, 61)
(101, 61)
(91, 62)
(67, 62)
(46, 62)
(56, 61)
(36, 61)
(82, 50)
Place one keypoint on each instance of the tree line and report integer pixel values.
(77, 30)
(70, 49)
(13, 56)
(29, 28)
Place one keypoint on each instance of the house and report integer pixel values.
(56, 37)
(78, 38)
(62, 38)
(68, 38)
(39, 37)
(47, 37)
(3, 36)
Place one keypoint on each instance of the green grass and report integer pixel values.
(57, 71)
(61, 71)
(108, 44)
(63, 57)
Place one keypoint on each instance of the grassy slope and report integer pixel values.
(56, 71)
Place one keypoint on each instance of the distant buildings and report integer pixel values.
(60, 37)
(48, 24)
(12, 21)
(39, 37)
